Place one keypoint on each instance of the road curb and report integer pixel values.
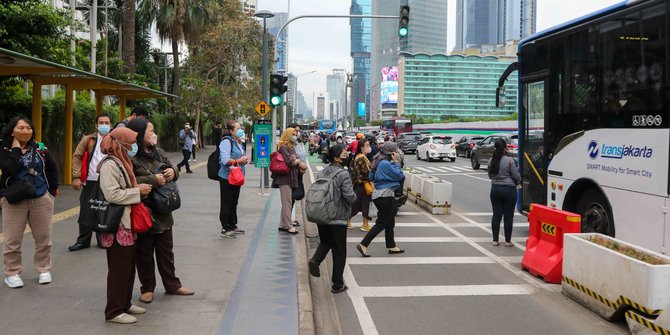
(305, 303)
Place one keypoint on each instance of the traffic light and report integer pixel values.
(403, 26)
(277, 88)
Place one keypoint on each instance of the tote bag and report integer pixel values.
(236, 176)
(140, 218)
(277, 164)
(100, 215)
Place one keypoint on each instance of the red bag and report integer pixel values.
(140, 218)
(85, 161)
(235, 176)
(277, 164)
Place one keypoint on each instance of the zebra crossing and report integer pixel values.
(434, 170)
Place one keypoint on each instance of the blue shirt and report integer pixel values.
(228, 152)
(388, 175)
(40, 180)
(188, 138)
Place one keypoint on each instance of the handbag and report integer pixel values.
(164, 199)
(100, 215)
(85, 161)
(298, 193)
(235, 175)
(23, 188)
(369, 187)
(140, 218)
(277, 164)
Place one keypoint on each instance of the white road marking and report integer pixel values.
(485, 227)
(464, 169)
(471, 176)
(443, 291)
(414, 224)
(483, 214)
(424, 240)
(451, 169)
(319, 168)
(422, 169)
(408, 213)
(480, 224)
(360, 307)
(426, 260)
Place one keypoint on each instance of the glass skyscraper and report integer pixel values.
(361, 46)
(480, 22)
(273, 25)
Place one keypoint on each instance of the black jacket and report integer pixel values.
(9, 164)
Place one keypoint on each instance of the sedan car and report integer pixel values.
(483, 151)
(436, 147)
(408, 141)
(349, 137)
(465, 144)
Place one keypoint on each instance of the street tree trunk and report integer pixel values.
(175, 75)
(128, 41)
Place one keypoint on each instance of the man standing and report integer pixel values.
(84, 172)
(138, 112)
(187, 138)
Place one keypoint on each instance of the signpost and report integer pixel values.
(262, 139)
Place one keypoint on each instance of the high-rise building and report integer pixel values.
(292, 90)
(250, 6)
(490, 22)
(427, 27)
(335, 87)
(302, 108)
(274, 24)
(321, 106)
(361, 45)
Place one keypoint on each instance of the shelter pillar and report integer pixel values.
(37, 108)
(122, 108)
(98, 104)
(67, 142)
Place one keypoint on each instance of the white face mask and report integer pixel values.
(153, 140)
(367, 150)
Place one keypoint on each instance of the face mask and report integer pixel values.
(23, 137)
(239, 133)
(104, 129)
(294, 138)
(339, 140)
(153, 140)
(367, 150)
(133, 151)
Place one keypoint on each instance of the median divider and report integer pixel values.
(430, 193)
(544, 248)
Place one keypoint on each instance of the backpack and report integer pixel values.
(213, 161)
(322, 200)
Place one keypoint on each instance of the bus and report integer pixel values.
(397, 124)
(329, 126)
(593, 121)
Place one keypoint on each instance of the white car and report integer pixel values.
(436, 147)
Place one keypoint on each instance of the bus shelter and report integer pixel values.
(41, 72)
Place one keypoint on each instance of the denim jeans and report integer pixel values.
(503, 201)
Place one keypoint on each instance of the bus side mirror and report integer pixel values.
(500, 97)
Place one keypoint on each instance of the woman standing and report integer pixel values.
(152, 166)
(232, 153)
(333, 236)
(387, 175)
(361, 177)
(28, 186)
(118, 184)
(504, 176)
(286, 183)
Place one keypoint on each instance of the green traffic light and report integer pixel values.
(403, 32)
(275, 101)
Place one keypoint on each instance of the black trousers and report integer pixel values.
(120, 279)
(85, 232)
(503, 201)
(386, 211)
(160, 244)
(187, 156)
(333, 238)
(228, 210)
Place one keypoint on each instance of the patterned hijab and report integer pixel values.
(116, 145)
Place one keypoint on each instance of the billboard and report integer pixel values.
(389, 85)
(361, 109)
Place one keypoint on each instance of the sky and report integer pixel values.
(324, 44)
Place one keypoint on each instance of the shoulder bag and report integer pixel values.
(101, 215)
(235, 176)
(86, 160)
(277, 164)
(23, 188)
(163, 199)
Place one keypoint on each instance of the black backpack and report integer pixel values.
(213, 165)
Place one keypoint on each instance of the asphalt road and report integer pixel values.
(451, 280)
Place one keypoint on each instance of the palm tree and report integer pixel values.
(128, 39)
(178, 21)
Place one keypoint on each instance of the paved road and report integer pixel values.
(451, 280)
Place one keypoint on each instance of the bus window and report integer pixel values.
(533, 160)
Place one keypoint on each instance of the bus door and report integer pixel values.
(532, 159)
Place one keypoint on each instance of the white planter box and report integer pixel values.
(436, 192)
(612, 275)
(417, 184)
(409, 177)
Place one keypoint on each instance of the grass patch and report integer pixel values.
(626, 250)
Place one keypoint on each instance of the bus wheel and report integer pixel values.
(474, 162)
(596, 214)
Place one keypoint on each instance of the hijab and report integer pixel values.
(116, 145)
(385, 151)
(285, 138)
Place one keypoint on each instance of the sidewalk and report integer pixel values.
(245, 285)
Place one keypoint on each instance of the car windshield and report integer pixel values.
(442, 140)
(475, 139)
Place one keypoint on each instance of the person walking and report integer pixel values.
(362, 184)
(194, 147)
(333, 235)
(386, 176)
(120, 187)
(152, 166)
(286, 183)
(28, 186)
(504, 176)
(232, 153)
(187, 141)
(85, 176)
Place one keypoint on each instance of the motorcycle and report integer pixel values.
(313, 148)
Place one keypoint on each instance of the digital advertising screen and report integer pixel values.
(389, 85)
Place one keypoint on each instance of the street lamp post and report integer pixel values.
(264, 14)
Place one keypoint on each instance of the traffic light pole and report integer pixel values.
(265, 176)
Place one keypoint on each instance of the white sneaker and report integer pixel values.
(134, 309)
(194, 161)
(44, 278)
(123, 318)
(14, 281)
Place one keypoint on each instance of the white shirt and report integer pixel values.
(97, 157)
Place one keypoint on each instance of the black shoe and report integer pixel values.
(340, 289)
(314, 269)
(364, 254)
(282, 229)
(189, 171)
(179, 167)
(399, 251)
(296, 224)
(77, 246)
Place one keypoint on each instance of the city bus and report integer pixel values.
(329, 126)
(397, 124)
(593, 120)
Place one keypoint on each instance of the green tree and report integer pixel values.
(128, 35)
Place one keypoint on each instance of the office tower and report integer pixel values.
(250, 6)
(335, 87)
(486, 22)
(361, 41)
(321, 106)
(274, 24)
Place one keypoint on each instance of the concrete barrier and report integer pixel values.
(609, 282)
(639, 324)
(435, 196)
